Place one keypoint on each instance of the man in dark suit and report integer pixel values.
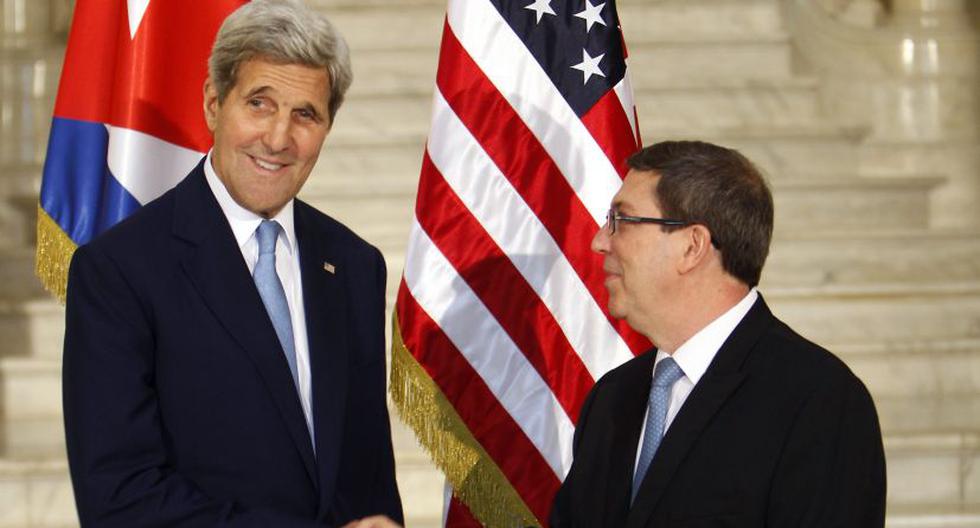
(734, 420)
(224, 351)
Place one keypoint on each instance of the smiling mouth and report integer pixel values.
(267, 165)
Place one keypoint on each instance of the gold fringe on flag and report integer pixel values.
(54, 251)
(475, 477)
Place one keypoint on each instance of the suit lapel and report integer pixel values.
(214, 265)
(632, 401)
(323, 270)
(719, 382)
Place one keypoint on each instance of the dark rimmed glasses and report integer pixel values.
(613, 218)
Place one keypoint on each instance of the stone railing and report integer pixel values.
(912, 78)
(861, 13)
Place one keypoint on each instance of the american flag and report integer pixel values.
(127, 123)
(500, 325)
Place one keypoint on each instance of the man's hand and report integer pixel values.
(375, 521)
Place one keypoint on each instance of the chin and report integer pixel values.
(616, 311)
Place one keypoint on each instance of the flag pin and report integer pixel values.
(329, 267)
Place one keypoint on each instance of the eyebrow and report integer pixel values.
(308, 106)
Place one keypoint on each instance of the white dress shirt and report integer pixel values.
(243, 224)
(694, 356)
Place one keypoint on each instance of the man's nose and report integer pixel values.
(600, 242)
(277, 134)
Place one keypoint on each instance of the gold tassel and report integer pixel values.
(475, 477)
(54, 251)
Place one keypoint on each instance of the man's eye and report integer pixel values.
(306, 115)
(255, 102)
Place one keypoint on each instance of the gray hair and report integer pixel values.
(280, 31)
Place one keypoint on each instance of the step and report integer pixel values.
(30, 407)
(384, 209)
(374, 218)
(738, 57)
(383, 112)
(929, 415)
(675, 104)
(17, 277)
(916, 369)
(18, 216)
(33, 328)
(410, 23)
(764, 59)
(820, 148)
(882, 313)
(359, 145)
(378, 206)
(644, 21)
(956, 158)
(930, 517)
(836, 259)
(383, 120)
(934, 472)
(36, 494)
(30, 80)
(852, 203)
(20, 179)
(802, 257)
(419, 481)
(416, 26)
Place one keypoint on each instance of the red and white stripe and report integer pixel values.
(502, 301)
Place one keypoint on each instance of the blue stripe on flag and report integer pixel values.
(78, 191)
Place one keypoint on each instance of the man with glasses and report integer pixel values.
(733, 419)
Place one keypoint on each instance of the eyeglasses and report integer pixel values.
(613, 218)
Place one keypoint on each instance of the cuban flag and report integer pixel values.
(128, 121)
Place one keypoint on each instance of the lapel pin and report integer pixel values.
(329, 268)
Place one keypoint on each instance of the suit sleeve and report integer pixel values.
(832, 470)
(116, 443)
(386, 499)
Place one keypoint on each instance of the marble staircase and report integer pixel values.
(857, 264)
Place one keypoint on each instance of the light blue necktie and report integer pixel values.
(664, 376)
(272, 293)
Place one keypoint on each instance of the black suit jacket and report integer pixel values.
(180, 409)
(777, 433)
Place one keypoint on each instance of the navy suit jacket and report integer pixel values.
(180, 409)
(777, 433)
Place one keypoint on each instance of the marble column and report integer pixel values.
(929, 109)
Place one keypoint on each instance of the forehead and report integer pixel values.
(638, 192)
(293, 83)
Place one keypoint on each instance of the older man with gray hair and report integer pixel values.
(224, 348)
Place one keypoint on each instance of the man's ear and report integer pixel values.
(697, 247)
(210, 104)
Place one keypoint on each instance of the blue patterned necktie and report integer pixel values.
(664, 376)
(272, 293)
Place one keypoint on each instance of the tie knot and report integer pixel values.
(266, 235)
(667, 372)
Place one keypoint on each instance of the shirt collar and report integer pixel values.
(694, 356)
(244, 222)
